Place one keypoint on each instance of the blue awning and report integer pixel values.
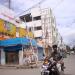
(34, 43)
(16, 44)
(13, 48)
(15, 41)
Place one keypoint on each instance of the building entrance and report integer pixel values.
(12, 58)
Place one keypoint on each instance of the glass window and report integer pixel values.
(37, 18)
(26, 18)
(38, 28)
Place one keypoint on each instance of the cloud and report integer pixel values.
(68, 33)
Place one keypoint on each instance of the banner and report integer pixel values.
(10, 29)
(22, 32)
(2, 26)
(30, 34)
(7, 28)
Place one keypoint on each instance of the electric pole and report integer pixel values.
(9, 4)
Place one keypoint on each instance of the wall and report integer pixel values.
(37, 10)
(7, 15)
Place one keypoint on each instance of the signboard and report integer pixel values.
(8, 15)
(2, 26)
(7, 28)
(22, 32)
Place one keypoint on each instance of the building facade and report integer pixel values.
(43, 24)
(12, 37)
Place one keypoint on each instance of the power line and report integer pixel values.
(68, 17)
(57, 4)
(39, 3)
(73, 22)
(31, 7)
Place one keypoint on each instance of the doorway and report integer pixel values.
(12, 57)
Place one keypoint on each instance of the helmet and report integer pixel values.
(54, 46)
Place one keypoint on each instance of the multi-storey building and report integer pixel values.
(43, 24)
(14, 38)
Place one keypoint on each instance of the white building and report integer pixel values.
(42, 23)
(60, 42)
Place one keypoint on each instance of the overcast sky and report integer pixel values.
(63, 10)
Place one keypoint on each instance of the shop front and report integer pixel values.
(12, 54)
(13, 50)
(11, 57)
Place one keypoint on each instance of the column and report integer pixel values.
(20, 57)
(2, 57)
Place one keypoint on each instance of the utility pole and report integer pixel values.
(9, 4)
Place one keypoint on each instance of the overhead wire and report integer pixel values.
(39, 3)
(58, 4)
(30, 8)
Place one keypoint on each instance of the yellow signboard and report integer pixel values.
(22, 32)
(30, 34)
(7, 28)
(2, 29)
(11, 29)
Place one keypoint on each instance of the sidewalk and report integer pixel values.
(21, 66)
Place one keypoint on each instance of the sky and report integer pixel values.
(63, 10)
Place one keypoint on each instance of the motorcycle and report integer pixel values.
(44, 70)
(52, 68)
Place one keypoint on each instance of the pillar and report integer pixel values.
(20, 57)
(2, 57)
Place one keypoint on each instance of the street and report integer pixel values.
(69, 63)
(20, 72)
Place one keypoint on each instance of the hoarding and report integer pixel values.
(7, 28)
(22, 32)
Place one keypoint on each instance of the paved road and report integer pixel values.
(19, 72)
(69, 63)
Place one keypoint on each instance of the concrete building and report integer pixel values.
(13, 40)
(7, 29)
(42, 23)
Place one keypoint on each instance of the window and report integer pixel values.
(26, 18)
(38, 28)
(30, 29)
(37, 18)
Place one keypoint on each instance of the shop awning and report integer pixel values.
(13, 48)
(34, 42)
(15, 41)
